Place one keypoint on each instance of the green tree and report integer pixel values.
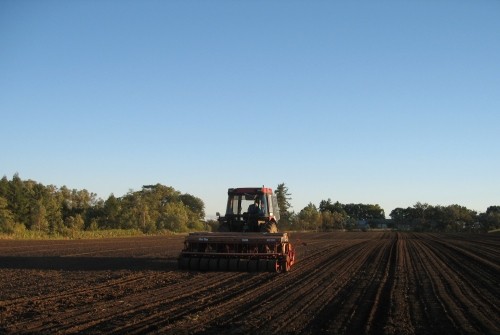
(4, 187)
(194, 204)
(127, 216)
(174, 218)
(364, 211)
(96, 215)
(461, 217)
(374, 212)
(74, 223)
(491, 219)
(38, 219)
(111, 213)
(333, 215)
(7, 223)
(398, 215)
(337, 207)
(339, 220)
(309, 218)
(493, 210)
(419, 215)
(327, 222)
(18, 201)
(53, 214)
(284, 197)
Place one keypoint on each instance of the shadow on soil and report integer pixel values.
(87, 263)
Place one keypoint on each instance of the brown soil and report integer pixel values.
(342, 283)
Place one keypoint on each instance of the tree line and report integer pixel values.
(453, 218)
(28, 205)
(421, 217)
(328, 215)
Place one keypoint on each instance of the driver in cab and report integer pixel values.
(254, 209)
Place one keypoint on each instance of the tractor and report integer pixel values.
(247, 237)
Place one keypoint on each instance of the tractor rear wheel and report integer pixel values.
(285, 264)
(273, 265)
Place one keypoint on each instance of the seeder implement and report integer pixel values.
(235, 251)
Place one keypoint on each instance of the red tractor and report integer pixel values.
(248, 238)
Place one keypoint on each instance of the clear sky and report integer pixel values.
(375, 102)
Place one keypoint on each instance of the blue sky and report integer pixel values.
(387, 102)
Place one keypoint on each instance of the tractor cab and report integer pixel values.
(250, 210)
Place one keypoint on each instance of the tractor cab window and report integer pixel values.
(232, 206)
(251, 200)
(240, 203)
(263, 204)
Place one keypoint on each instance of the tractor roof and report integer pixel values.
(250, 190)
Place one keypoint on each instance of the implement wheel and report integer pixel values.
(233, 264)
(183, 263)
(253, 265)
(262, 265)
(243, 265)
(204, 264)
(223, 264)
(194, 264)
(213, 265)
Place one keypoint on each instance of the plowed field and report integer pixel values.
(342, 283)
